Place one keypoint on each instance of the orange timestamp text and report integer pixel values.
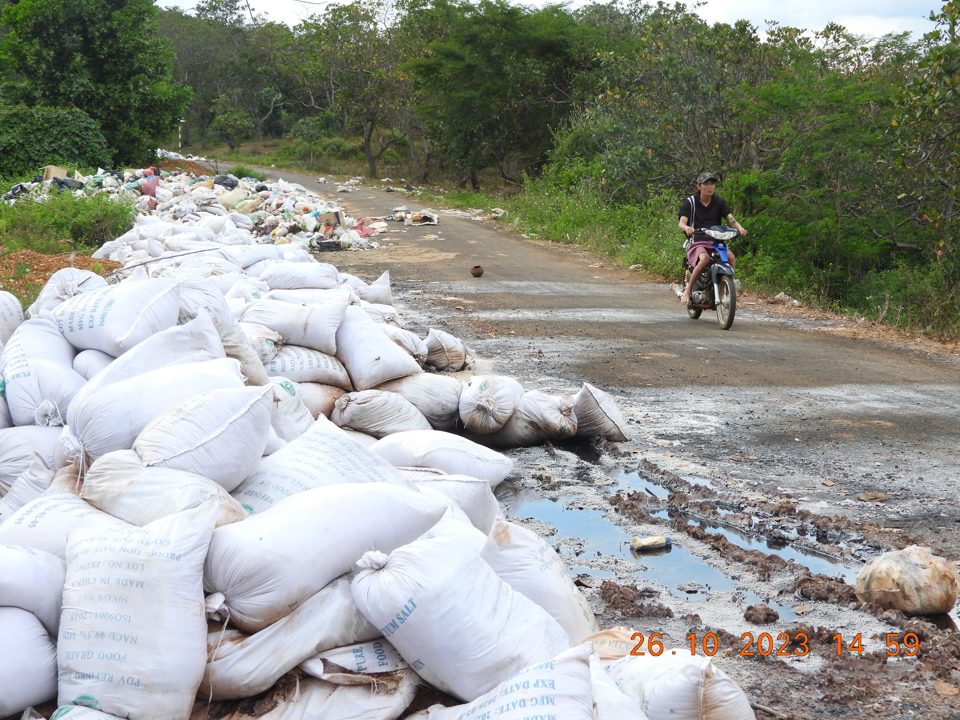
(784, 644)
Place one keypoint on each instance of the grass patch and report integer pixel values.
(242, 171)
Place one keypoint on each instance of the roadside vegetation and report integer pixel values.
(839, 153)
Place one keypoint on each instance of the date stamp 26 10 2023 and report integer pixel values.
(784, 644)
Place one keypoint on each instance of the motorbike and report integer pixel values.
(716, 288)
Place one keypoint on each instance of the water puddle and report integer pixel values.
(816, 563)
(600, 537)
(633, 480)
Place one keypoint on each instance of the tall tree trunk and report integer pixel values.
(367, 147)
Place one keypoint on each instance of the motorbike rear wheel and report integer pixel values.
(726, 301)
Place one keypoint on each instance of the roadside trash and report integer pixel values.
(646, 544)
(53, 171)
(422, 217)
(911, 580)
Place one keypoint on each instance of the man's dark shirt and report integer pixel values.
(704, 217)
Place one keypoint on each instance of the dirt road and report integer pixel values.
(780, 455)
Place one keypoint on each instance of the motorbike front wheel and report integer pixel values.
(726, 302)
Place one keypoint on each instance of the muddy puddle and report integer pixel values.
(594, 536)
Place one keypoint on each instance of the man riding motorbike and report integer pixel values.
(704, 209)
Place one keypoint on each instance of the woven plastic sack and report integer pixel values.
(28, 663)
(20, 447)
(436, 396)
(305, 365)
(312, 326)
(292, 275)
(531, 566)
(45, 523)
(488, 401)
(218, 434)
(61, 286)
(444, 451)
(559, 688)
(240, 666)
(377, 413)
(120, 484)
(11, 315)
(445, 351)
(145, 664)
(269, 564)
(435, 596)
(324, 455)
(598, 415)
(117, 317)
(368, 354)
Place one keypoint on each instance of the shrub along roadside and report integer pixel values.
(32, 232)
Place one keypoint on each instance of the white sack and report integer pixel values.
(305, 365)
(289, 416)
(32, 580)
(192, 342)
(324, 455)
(241, 665)
(445, 351)
(20, 447)
(379, 290)
(472, 495)
(408, 340)
(487, 402)
(28, 663)
(237, 346)
(292, 275)
(38, 371)
(680, 687)
(318, 398)
(558, 689)
(307, 296)
(528, 564)
(364, 440)
(29, 485)
(5, 419)
(312, 699)
(598, 415)
(382, 314)
(120, 484)
(377, 413)
(62, 285)
(364, 658)
(538, 417)
(436, 396)
(368, 354)
(117, 317)
(312, 326)
(89, 362)
(266, 342)
(248, 289)
(435, 596)
(912, 580)
(145, 663)
(46, 522)
(198, 296)
(610, 701)
(218, 434)
(11, 315)
(111, 417)
(270, 563)
(445, 451)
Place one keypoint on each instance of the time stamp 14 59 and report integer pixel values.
(784, 644)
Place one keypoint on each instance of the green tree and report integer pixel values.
(101, 56)
(494, 86)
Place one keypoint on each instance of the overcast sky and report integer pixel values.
(863, 17)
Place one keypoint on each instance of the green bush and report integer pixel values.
(63, 223)
(339, 148)
(31, 137)
(242, 171)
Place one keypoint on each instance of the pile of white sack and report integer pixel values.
(279, 211)
(233, 472)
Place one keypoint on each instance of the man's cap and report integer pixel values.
(704, 176)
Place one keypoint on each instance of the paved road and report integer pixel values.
(787, 410)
